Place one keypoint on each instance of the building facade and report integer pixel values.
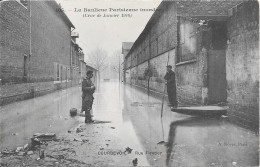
(213, 49)
(126, 46)
(35, 49)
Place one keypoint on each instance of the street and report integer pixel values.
(126, 117)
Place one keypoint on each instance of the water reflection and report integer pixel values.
(49, 113)
(189, 141)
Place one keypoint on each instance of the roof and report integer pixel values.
(205, 9)
(56, 6)
(189, 8)
(148, 26)
(126, 46)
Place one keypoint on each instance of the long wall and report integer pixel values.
(243, 64)
(216, 62)
(146, 62)
(51, 41)
(48, 67)
(14, 41)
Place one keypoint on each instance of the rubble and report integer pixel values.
(29, 152)
(135, 162)
(41, 153)
(44, 136)
(7, 152)
(18, 149)
(79, 130)
(21, 153)
(77, 139)
(26, 147)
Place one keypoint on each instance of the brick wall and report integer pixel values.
(14, 41)
(50, 47)
(242, 64)
(16, 92)
(50, 41)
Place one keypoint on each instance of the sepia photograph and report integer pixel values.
(134, 83)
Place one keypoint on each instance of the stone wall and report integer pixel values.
(242, 64)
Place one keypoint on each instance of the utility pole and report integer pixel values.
(119, 67)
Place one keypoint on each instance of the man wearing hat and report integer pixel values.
(88, 89)
(171, 86)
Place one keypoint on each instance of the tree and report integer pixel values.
(116, 62)
(97, 59)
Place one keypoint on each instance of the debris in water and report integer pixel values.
(135, 162)
(73, 112)
(112, 127)
(69, 131)
(234, 163)
(162, 143)
(224, 116)
(79, 130)
(14, 134)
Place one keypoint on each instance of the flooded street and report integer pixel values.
(135, 122)
(49, 113)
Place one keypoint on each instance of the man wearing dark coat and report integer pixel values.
(88, 90)
(171, 86)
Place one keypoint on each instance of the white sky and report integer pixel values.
(107, 33)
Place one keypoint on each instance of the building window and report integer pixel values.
(58, 72)
(25, 67)
(61, 68)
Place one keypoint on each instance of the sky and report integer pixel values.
(108, 33)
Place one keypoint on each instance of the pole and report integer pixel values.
(164, 91)
(119, 67)
(30, 43)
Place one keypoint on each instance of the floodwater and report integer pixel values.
(45, 114)
(171, 140)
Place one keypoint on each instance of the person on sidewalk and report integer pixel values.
(171, 86)
(88, 89)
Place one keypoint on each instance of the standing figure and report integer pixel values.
(88, 89)
(171, 86)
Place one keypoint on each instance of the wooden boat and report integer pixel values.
(202, 110)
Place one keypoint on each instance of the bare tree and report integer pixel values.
(97, 59)
(116, 63)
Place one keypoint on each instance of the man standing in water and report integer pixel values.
(88, 89)
(171, 86)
